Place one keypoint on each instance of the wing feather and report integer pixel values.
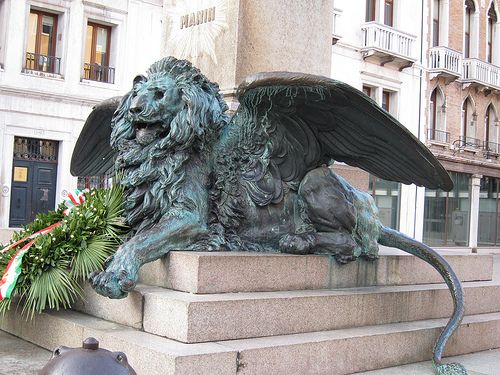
(93, 155)
(304, 121)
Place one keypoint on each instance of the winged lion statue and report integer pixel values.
(197, 178)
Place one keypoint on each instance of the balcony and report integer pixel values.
(468, 143)
(383, 44)
(99, 73)
(481, 74)
(491, 149)
(42, 63)
(445, 62)
(439, 136)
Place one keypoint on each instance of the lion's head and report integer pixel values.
(169, 113)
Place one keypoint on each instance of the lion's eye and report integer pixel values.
(159, 94)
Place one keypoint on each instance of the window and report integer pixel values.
(97, 46)
(368, 91)
(491, 132)
(371, 5)
(388, 12)
(489, 214)
(387, 199)
(435, 23)
(446, 214)
(41, 44)
(386, 101)
(468, 125)
(492, 20)
(469, 10)
(437, 124)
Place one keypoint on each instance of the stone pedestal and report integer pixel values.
(230, 39)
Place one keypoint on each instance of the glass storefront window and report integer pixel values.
(489, 220)
(386, 195)
(447, 214)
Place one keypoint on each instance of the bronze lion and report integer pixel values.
(196, 178)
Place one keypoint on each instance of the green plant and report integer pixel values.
(53, 268)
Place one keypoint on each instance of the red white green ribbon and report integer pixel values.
(13, 269)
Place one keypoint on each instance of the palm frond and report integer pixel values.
(54, 288)
(91, 257)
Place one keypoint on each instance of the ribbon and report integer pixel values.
(13, 269)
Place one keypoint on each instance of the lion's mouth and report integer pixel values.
(147, 132)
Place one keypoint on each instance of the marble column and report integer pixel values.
(474, 212)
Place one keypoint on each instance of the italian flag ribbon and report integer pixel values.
(13, 269)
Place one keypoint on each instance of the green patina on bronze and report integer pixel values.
(196, 178)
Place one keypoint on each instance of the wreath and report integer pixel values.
(46, 261)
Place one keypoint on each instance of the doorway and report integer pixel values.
(34, 178)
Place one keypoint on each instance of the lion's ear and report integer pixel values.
(139, 78)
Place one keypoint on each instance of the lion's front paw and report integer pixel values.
(297, 244)
(112, 284)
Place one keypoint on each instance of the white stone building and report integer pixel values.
(378, 49)
(58, 58)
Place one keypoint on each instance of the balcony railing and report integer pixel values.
(469, 142)
(445, 60)
(438, 135)
(477, 71)
(100, 73)
(387, 39)
(491, 148)
(42, 63)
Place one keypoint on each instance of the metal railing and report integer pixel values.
(475, 70)
(491, 148)
(469, 142)
(438, 135)
(382, 37)
(100, 73)
(42, 63)
(445, 59)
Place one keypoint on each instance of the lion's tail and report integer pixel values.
(392, 238)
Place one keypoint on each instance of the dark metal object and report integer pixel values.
(87, 360)
(35, 149)
(100, 73)
(197, 179)
(43, 63)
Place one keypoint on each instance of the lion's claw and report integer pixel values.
(112, 284)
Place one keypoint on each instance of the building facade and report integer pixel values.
(58, 58)
(463, 99)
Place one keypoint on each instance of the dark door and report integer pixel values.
(33, 185)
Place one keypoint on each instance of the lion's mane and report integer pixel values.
(153, 175)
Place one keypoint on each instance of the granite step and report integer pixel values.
(343, 351)
(227, 316)
(224, 272)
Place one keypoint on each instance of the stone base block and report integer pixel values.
(202, 318)
(224, 272)
(339, 352)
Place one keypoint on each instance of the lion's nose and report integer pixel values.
(137, 105)
(135, 109)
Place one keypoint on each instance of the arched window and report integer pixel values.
(435, 23)
(437, 125)
(492, 20)
(469, 124)
(491, 133)
(468, 29)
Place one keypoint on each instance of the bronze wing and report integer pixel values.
(93, 155)
(303, 121)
